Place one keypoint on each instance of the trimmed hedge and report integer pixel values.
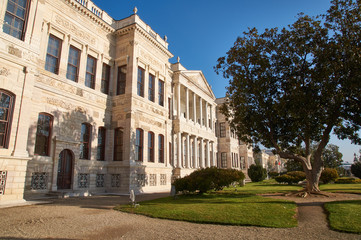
(347, 180)
(257, 173)
(207, 179)
(273, 174)
(328, 175)
(291, 177)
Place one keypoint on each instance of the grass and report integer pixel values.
(344, 188)
(345, 215)
(230, 209)
(267, 186)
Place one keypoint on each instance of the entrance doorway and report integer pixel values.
(65, 169)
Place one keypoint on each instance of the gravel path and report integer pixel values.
(93, 218)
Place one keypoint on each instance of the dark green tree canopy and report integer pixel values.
(291, 88)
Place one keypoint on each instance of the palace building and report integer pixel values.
(89, 104)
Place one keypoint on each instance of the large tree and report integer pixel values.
(291, 88)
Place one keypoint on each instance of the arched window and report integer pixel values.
(101, 144)
(150, 147)
(118, 144)
(43, 134)
(160, 148)
(85, 137)
(139, 145)
(7, 101)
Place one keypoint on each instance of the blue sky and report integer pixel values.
(201, 31)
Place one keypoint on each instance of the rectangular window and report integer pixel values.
(53, 54)
(222, 129)
(161, 92)
(6, 111)
(101, 144)
(139, 145)
(140, 82)
(121, 81)
(163, 179)
(150, 147)
(85, 136)
(105, 79)
(118, 144)
(169, 108)
(151, 88)
(90, 72)
(223, 160)
(72, 71)
(170, 153)
(43, 134)
(15, 18)
(160, 148)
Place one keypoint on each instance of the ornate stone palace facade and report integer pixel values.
(91, 104)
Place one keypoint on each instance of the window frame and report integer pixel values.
(9, 117)
(73, 66)
(151, 87)
(101, 144)
(160, 148)
(121, 80)
(14, 16)
(48, 141)
(223, 161)
(106, 71)
(139, 145)
(150, 147)
(118, 144)
(140, 82)
(50, 56)
(222, 130)
(87, 144)
(90, 76)
(161, 92)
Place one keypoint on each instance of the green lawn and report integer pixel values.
(346, 188)
(345, 216)
(267, 186)
(231, 209)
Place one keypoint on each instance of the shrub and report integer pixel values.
(328, 175)
(356, 169)
(257, 173)
(206, 179)
(273, 174)
(347, 180)
(291, 177)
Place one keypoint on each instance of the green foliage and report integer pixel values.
(207, 179)
(257, 173)
(291, 177)
(292, 165)
(273, 174)
(356, 169)
(348, 180)
(295, 86)
(331, 156)
(329, 175)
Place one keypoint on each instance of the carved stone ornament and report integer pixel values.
(4, 71)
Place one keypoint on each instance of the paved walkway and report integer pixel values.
(93, 218)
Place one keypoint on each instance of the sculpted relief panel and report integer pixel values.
(75, 30)
(153, 62)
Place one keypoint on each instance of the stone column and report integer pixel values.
(187, 104)
(207, 155)
(201, 153)
(194, 108)
(187, 163)
(206, 118)
(179, 150)
(211, 117)
(178, 101)
(200, 111)
(195, 147)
